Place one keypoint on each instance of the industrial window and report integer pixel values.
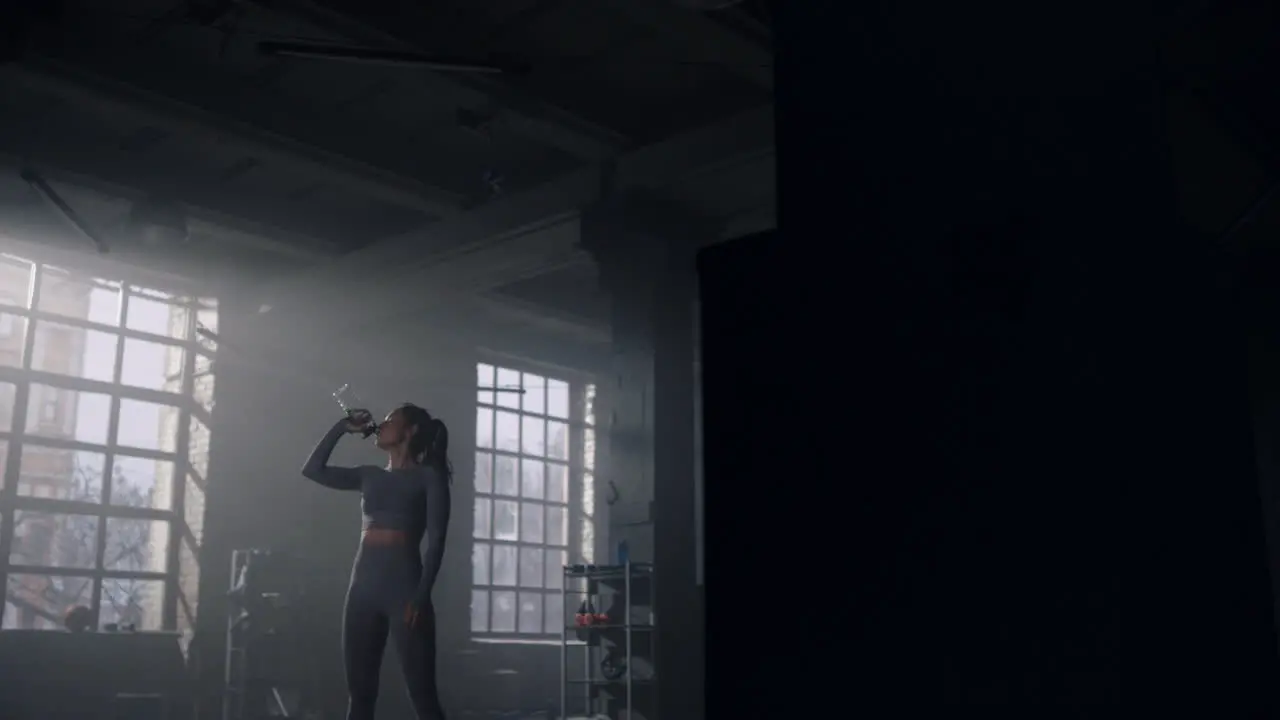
(534, 499)
(103, 448)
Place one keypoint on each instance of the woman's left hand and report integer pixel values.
(414, 612)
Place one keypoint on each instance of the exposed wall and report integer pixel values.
(643, 245)
(265, 424)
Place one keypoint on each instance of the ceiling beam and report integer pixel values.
(515, 231)
(98, 168)
(548, 320)
(226, 227)
(397, 282)
(113, 98)
(703, 38)
(524, 113)
(262, 101)
(432, 279)
(397, 336)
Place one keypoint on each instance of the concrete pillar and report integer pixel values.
(645, 251)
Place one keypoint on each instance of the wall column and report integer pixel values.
(644, 247)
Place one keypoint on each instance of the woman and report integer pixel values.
(390, 587)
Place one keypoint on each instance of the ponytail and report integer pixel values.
(430, 441)
(437, 452)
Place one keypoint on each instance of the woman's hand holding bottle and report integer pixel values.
(359, 421)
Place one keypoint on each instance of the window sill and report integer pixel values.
(548, 642)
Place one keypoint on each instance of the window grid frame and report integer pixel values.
(574, 424)
(22, 377)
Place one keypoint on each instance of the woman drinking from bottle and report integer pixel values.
(390, 591)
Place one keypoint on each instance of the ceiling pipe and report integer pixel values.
(379, 56)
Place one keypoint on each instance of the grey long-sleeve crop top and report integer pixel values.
(414, 500)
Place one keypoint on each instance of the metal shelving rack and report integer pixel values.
(629, 588)
(264, 676)
(235, 685)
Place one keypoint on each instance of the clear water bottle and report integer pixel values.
(351, 403)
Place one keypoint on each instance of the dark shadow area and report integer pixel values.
(990, 394)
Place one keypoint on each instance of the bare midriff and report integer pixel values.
(384, 536)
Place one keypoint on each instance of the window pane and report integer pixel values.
(62, 293)
(589, 449)
(7, 396)
(74, 351)
(508, 432)
(483, 525)
(484, 472)
(40, 602)
(207, 314)
(504, 611)
(506, 520)
(198, 439)
(203, 383)
(185, 625)
(204, 342)
(554, 568)
(554, 619)
(531, 567)
(533, 432)
(557, 482)
(531, 527)
(558, 399)
(155, 312)
(508, 379)
(193, 507)
(531, 478)
(15, 281)
(148, 426)
(504, 565)
(484, 428)
(150, 365)
(535, 394)
(13, 334)
(479, 610)
(68, 414)
(54, 539)
(587, 540)
(142, 482)
(4, 459)
(136, 545)
(588, 494)
(505, 481)
(480, 564)
(557, 526)
(531, 613)
(62, 474)
(557, 441)
(484, 378)
(589, 400)
(132, 602)
(188, 580)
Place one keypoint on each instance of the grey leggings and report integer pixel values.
(382, 585)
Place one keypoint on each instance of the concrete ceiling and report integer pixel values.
(299, 173)
(284, 163)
